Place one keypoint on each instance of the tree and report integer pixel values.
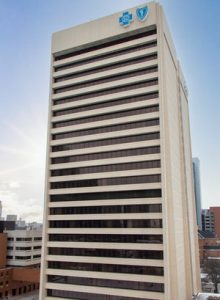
(212, 268)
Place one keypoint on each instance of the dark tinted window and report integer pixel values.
(137, 254)
(106, 181)
(114, 102)
(104, 142)
(86, 296)
(157, 271)
(107, 168)
(138, 208)
(133, 285)
(107, 195)
(111, 66)
(109, 91)
(98, 81)
(108, 238)
(154, 223)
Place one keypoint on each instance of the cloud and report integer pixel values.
(22, 160)
(6, 186)
(9, 201)
(15, 200)
(14, 184)
(32, 213)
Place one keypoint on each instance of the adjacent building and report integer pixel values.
(197, 190)
(208, 221)
(19, 268)
(209, 246)
(119, 218)
(3, 252)
(24, 247)
(215, 211)
(11, 218)
(211, 220)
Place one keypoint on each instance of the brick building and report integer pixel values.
(209, 246)
(15, 280)
(215, 210)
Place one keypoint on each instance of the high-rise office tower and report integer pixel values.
(120, 218)
(197, 190)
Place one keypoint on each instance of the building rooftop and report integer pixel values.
(206, 234)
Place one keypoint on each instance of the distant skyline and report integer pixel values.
(26, 27)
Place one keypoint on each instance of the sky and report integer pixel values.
(26, 27)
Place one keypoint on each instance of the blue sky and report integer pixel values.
(25, 34)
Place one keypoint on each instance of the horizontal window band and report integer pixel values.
(107, 238)
(155, 193)
(106, 79)
(103, 45)
(108, 209)
(156, 271)
(23, 248)
(122, 284)
(115, 102)
(114, 65)
(23, 257)
(107, 168)
(113, 115)
(101, 155)
(107, 91)
(103, 142)
(115, 253)
(56, 293)
(111, 128)
(138, 223)
(106, 181)
(211, 247)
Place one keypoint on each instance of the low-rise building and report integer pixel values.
(3, 249)
(20, 252)
(14, 281)
(211, 220)
(11, 218)
(215, 210)
(24, 247)
(209, 248)
(207, 221)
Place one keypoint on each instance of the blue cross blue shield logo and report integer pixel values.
(142, 13)
(126, 19)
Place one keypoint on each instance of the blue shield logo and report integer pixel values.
(126, 19)
(142, 13)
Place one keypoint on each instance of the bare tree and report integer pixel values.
(212, 268)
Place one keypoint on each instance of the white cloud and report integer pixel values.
(15, 200)
(22, 160)
(7, 185)
(14, 184)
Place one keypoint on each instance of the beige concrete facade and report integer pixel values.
(84, 80)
